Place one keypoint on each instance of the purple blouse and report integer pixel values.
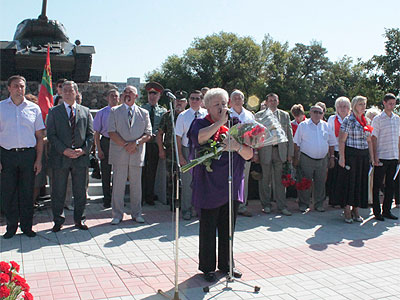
(211, 189)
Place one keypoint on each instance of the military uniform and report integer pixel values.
(166, 127)
(151, 158)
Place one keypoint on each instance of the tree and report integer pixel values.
(386, 68)
(224, 60)
(303, 74)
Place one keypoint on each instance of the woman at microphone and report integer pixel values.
(211, 189)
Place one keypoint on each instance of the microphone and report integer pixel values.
(169, 94)
(228, 112)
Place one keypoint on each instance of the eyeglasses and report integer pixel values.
(195, 98)
(152, 93)
(317, 112)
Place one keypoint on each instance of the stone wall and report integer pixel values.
(93, 93)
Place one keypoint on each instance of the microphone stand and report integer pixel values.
(229, 277)
(176, 203)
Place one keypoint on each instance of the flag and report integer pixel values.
(46, 89)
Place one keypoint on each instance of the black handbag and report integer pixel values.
(94, 164)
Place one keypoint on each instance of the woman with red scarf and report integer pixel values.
(333, 182)
(355, 150)
(299, 116)
(210, 189)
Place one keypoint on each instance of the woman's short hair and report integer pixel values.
(372, 112)
(215, 92)
(341, 100)
(32, 98)
(297, 110)
(357, 99)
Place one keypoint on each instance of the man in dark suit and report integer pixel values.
(70, 132)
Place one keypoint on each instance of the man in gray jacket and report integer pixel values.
(273, 157)
(129, 128)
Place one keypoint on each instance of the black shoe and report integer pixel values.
(236, 273)
(107, 205)
(210, 276)
(30, 233)
(57, 228)
(379, 217)
(150, 202)
(81, 226)
(391, 216)
(8, 235)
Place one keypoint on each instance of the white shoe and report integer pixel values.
(115, 221)
(139, 219)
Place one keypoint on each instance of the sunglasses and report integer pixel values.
(317, 112)
(152, 93)
(195, 98)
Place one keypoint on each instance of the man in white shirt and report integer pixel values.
(21, 148)
(237, 110)
(182, 126)
(313, 142)
(386, 146)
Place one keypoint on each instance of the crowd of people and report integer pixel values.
(339, 157)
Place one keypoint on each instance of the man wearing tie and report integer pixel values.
(70, 133)
(156, 111)
(129, 129)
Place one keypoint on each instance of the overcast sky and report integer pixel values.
(134, 37)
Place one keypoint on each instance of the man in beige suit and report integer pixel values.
(273, 157)
(129, 128)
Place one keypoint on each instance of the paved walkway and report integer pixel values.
(305, 256)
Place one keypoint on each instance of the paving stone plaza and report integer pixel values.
(306, 256)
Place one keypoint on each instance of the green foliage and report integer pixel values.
(385, 69)
(303, 74)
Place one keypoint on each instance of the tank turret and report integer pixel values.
(26, 54)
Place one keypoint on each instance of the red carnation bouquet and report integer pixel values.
(288, 175)
(254, 135)
(303, 184)
(12, 286)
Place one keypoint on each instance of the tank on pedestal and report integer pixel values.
(26, 54)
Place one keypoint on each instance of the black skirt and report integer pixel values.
(354, 182)
(333, 184)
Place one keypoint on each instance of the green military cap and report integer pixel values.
(180, 94)
(154, 87)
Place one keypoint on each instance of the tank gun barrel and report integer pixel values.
(43, 14)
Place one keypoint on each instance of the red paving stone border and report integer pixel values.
(147, 278)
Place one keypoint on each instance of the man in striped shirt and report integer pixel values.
(386, 146)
